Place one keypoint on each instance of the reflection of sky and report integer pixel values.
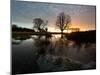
(23, 13)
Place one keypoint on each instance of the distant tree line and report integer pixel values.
(86, 36)
(15, 28)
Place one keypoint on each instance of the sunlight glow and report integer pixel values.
(67, 31)
(57, 36)
(53, 29)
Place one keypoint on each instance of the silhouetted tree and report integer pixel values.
(63, 21)
(39, 24)
(14, 26)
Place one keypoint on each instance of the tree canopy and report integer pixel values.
(63, 21)
(39, 24)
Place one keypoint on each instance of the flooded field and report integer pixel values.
(35, 54)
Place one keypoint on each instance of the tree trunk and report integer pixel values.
(62, 34)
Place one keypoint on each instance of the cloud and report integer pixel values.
(25, 12)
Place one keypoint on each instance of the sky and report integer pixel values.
(23, 13)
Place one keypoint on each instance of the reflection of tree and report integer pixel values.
(16, 42)
(52, 54)
(60, 46)
(46, 46)
(41, 42)
(63, 21)
(17, 39)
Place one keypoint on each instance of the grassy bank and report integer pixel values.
(86, 36)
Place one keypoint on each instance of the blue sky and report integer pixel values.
(23, 13)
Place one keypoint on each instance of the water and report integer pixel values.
(35, 54)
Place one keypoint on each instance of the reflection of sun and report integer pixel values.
(57, 36)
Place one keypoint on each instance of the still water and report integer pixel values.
(36, 54)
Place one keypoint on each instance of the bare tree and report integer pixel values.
(39, 24)
(63, 21)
